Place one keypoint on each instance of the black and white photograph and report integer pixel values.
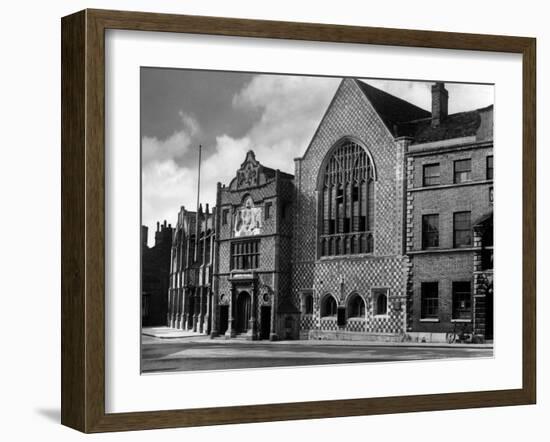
(292, 220)
(275, 221)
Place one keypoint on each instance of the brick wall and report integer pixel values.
(272, 276)
(443, 268)
(443, 264)
(351, 115)
(155, 274)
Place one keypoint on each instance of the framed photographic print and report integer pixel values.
(267, 221)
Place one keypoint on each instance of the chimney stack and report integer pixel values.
(144, 232)
(440, 103)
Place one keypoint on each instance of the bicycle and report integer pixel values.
(459, 334)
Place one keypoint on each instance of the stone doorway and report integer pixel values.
(224, 318)
(243, 312)
(265, 321)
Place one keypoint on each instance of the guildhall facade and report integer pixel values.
(384, 232)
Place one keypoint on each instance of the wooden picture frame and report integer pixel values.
(83, 220)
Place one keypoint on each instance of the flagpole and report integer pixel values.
(199, 178)
(197, 226)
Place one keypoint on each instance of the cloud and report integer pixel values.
(163, 184)
(223, 164)
(291, 109)
(166, 186)
(287, 111)
(163, 181)
(173, 147)
(190, 123)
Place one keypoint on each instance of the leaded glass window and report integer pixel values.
(347, 202)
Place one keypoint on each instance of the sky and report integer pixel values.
(229, 113)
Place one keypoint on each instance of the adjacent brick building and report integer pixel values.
(450, 222)
(383, 233)
(155, 268)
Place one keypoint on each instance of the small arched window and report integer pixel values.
(328, 307)
(308, 304)
(382, 304)
(356, 307)
(346, 202)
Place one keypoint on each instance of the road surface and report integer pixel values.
(202, 353)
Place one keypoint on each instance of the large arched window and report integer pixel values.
(346, 202)
(356, 306)
(328, 306)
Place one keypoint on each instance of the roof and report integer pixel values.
(391, 109)
(270, 173)
(404, 119)
(477, 123)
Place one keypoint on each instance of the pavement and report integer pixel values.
(168, 350)
(172, 333)
(169, 333)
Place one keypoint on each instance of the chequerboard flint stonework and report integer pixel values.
(383, 233)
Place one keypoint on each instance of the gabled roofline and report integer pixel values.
(321, 121)
(356, 83)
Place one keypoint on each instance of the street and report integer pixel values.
(203, 353)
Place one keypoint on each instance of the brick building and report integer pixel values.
(253, 270)
(155, 268)
(190, 292)
(349, 265)
(450, 220)
(384, 231)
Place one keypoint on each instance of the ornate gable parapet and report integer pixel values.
(252, 174)
(249, 173)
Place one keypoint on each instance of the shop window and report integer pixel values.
(462, 300)
(429, 308)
